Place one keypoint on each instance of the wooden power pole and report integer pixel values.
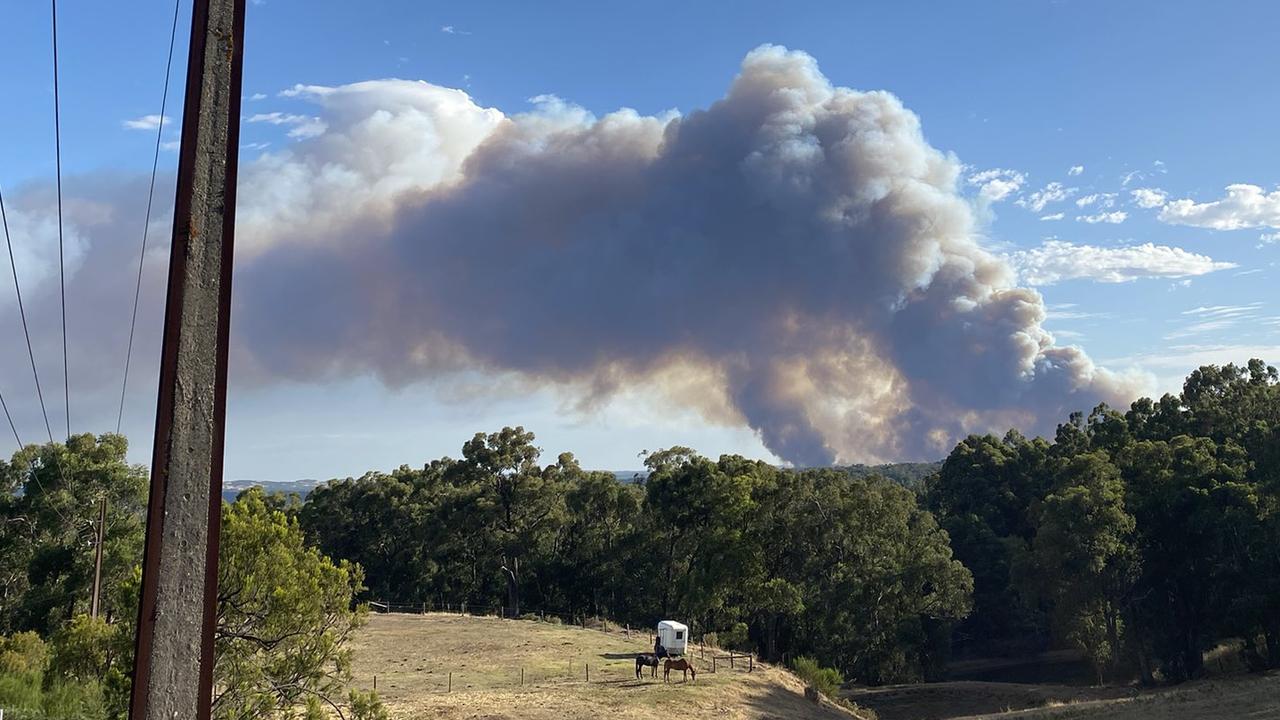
(173, 665)
(97, 559)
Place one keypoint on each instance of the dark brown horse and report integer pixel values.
(682, 665)
(646, 660)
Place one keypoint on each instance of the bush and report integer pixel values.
(23, 654)
(736, 638)
(711, 640)
(825, 680)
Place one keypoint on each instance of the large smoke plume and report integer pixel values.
(795, 257)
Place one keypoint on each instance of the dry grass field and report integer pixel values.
(413, 655)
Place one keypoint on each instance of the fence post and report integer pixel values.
(521, 677)
(713, 662)
(751, 663)
(375, 682)
(588, 666)
(450, 682)
(731, 658)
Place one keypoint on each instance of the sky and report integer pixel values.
(1118, 159)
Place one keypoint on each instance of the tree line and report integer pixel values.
(1142, 538)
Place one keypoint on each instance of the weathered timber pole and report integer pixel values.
(173, 665)
(95, 602)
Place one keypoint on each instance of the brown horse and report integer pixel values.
(682, 665)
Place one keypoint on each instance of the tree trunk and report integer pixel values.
(513, 587)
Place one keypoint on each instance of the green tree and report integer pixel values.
(49, 496)
(1085, 562)
(285, 615)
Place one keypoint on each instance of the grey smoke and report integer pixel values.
(795, 257)
(800, 243)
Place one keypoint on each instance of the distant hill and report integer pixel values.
(231, 488)
(910, 475)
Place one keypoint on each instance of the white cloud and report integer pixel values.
(1054, 216)
(257, 96)
(301, 126)
(1112, 218)
(147, 122)
(1053, 192)
(1075, 170)
(170, 145)
(1058, 260)
(1148, 198)
(1172, 364)
(1268, 238)
(1105, 200)
(451, 30)
(1245, 206)
(997, 184)
(1212, 318)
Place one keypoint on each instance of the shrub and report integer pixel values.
(825, 680)
(736, 638)
(23, 654)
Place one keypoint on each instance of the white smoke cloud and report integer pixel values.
(799, 242)
(796, 247)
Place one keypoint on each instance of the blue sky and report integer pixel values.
(1172, 97)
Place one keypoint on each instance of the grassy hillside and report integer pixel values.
(412, 656)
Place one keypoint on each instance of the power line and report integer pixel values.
(62, 272)
(22, 313)
(146, 223)
(9, 417)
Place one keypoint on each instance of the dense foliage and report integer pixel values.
(814, 561)
(284, 611)
(1142, 538)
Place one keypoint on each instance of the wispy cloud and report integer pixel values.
(1058, 260)
(257, 96)
(147, 122)
(1103, 200)
(1245, 206)
(451, 30)
(997, 184)
(1148, 198)
(1054, 216)
(301, 126)
(1075, 170)
(1214, 318)
(1113, 218)
(1051, 193)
